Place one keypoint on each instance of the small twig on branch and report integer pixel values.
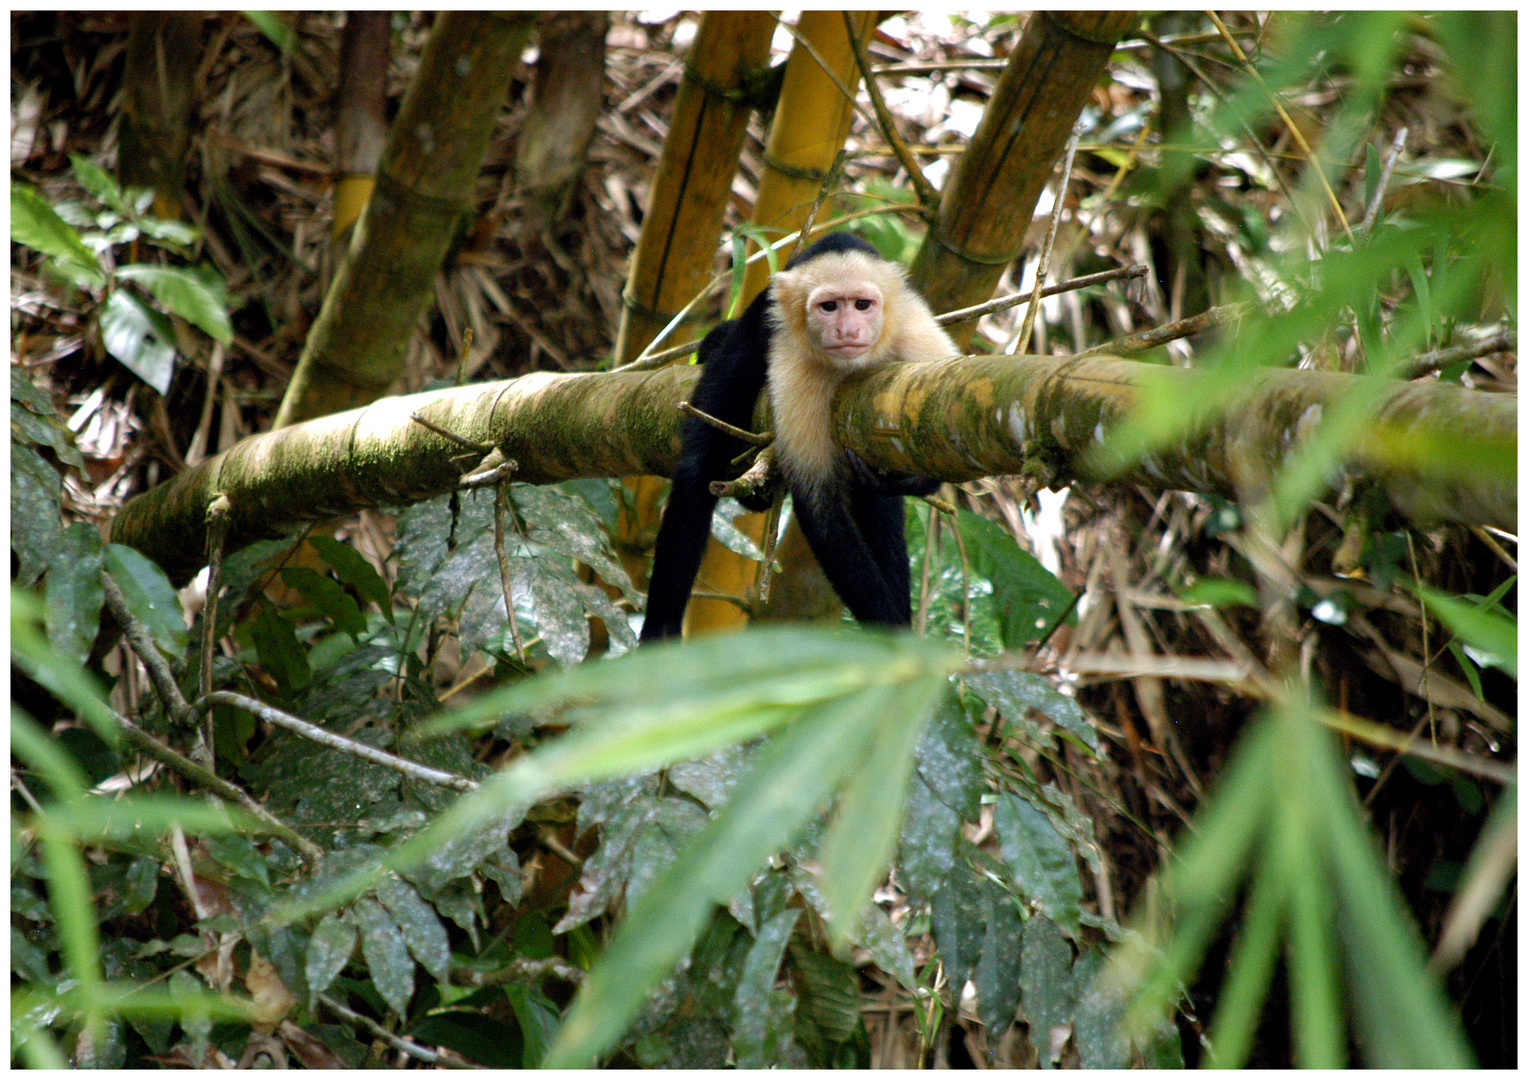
(928, 195)
(209, 781)
(1205, 320)
(449, 435)
(397, 1042)
(143, 644)
(722, 425)
(1003, 303)
(272, 715)
(1042, 266)
(1504, 341)
(755, 479)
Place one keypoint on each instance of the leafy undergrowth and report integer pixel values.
(648, 828)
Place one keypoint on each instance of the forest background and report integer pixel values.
(1209, 758)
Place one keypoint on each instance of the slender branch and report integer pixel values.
(747, 436)
(397, 1042)
(1371, 214)
(210, 781)
(927, 193)
(1504, 341)
(218, 518)
(1205, 320)
(492, 476)
(1289, 124)
(1042, 267)
(143, 644)
(354, 748)
(1003, 303)
(518, 970)
(827, 68)
(829, 182)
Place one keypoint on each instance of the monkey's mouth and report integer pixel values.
(846, 352)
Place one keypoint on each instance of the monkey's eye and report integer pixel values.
(829, 306)
(863, 304)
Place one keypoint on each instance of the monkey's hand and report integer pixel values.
(887, 483)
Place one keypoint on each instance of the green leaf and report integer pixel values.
(1101, 1044)
(140, 337)
(927, 852)
(69, 889)
(886, 944)
(329, 950)
(420, 926)
(36, 224)
(791, 777)
(950, 758)
(182, 294)
(387, 957)
(1402, 1017)
(351, 567)
(828, 994)
(332, 601)
(1040, 860)
(172, 234)
(150, 597)
(276, 645)
(1248, 972)
(997, 969)
(539, 1018)
(755, 1033)
(35, 421)
(274, 27)
(1049, 997)
(959, 913)
(1030, 599)
(1219, 592)
(67, 681)
(74, 593)
(97, 181)
(1014, 692)
(860, 838)
(476, 1036)
(1484, 631)
(36, 489)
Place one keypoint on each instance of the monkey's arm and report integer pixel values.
(732, 375)
(887, 483)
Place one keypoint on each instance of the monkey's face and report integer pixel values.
(844, 321)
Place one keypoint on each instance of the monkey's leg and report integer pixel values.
(882, 519)
(849, 560)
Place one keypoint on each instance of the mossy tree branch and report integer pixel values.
(956, 420)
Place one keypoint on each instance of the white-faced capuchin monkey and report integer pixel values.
(836, 309)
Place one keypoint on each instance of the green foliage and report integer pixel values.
(725, 809)
(982, 585)
(447, 557)
(53, 885)
(141, 333)
(1281, 835)
(1316, 884)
